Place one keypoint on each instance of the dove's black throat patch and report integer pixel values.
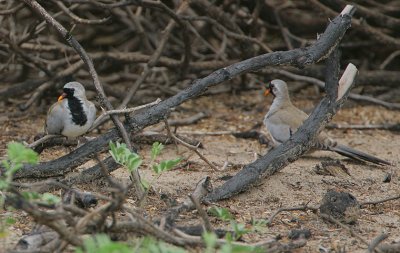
(76, 107)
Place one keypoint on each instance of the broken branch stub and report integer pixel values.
(346, 80)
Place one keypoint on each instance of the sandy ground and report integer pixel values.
(295, 185)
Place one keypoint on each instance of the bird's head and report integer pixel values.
(72, 89)
(277, 88)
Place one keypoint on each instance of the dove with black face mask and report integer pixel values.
(73, 114)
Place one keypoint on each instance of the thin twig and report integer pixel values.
(375, 202)
(376, 241)
(365, 127)
(389, 59)
(43, 139)
(209, 133)
(202, 213)
(155, 57)
(191, 147)
(12, 10)
(79, 19)
(234, 35)
(283, 29)
(120, 111)
(351, 231)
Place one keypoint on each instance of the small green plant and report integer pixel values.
(151, 245)
(163, 165)
(210, 239)
(17, 156)
(239, 230)
(132, 161)
(101, 243)
(229, 247)
(221, 213)
(122, 155)
(259, 225)
(46, 197)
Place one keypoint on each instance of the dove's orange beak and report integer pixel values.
(268, 88)
(62, 96)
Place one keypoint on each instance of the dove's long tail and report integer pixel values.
(358, 155)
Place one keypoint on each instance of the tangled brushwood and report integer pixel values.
(176, 50)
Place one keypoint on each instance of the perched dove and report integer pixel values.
(73, 114)
(283, 119)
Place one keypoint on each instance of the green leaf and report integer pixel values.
(18, 153)
(157, 168)
(122, 155)
(169, 164)
(210, 240)
(166, 165)
(30, 195)
(245, 249)
(239, 229)
(150, 245)
(101, 243)
(6, 164)
(10, 220)
(14, 169)
(156, 150)
(259, 225)
(3, 184)
(145, 183)
(134, 163)
(113, 150)
(221, 213)
(50, 198)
